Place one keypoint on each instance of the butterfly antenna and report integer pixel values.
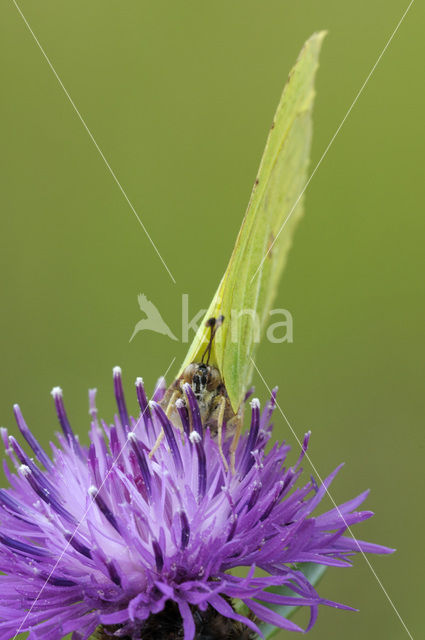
(214, 324)
(209, 323)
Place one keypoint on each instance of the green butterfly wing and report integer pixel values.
(248, 287)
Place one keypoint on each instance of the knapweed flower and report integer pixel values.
(114, 540)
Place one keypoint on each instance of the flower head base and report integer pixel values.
(111, 535)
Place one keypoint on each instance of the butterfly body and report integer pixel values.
(215, 408)
(210, 392)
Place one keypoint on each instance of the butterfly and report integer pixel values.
(219, 363)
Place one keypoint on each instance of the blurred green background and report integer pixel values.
(180, 96)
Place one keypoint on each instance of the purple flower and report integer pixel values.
(109, 536)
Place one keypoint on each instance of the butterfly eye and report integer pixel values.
(189, 372)
(214, 379)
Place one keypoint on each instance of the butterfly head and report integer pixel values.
(202, 378)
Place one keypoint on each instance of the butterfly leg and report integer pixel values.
(156, 445)
(220, 422)
(238, 421)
